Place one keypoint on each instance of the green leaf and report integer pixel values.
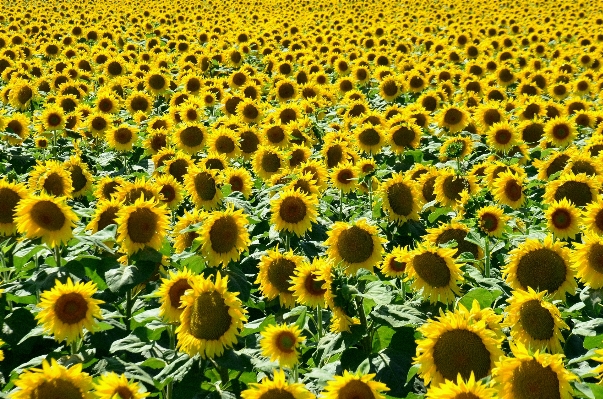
(412, 372)
(397, 316)
(258, 325)
(593, 342)
(153, 363)
(378, 292)
(433, 216)
(482, 295)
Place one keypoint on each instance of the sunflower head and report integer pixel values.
(224, 236)
(54, 381)
(281, 343)
(141, 224)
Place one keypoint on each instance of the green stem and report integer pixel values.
(458, 164)
(296, 372)
(362, 315)
(370, 190)
(287, 241)
(128, 309)
(487, 258)
(172, 334)
(57, 255)
(341, 205)
(54, 145)
(74, 347)
(319, 322)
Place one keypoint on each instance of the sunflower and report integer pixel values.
(69, 308)
(453, 118)
(107, 102)
(344, 176)
(580, 189)
(534, 321)
(191, 111)
(157, 81)
(224, 142)
(456, 148)
(276, 272)
(279, 388)
(104, 215)
(401, 198)
(239, 180)
(183, 240)
(309, 285)
(139, 101)
(587, 259)
(369, 138)
(122, 137)
(189, 137)
(501, 137)
(211, 319)
(434, 270)
(541, 266)
(267, 161)
(129, 192)
(354, 386)
(98, 123)
(560, 131)
(107, 186)
(317, 170)
(294, 211)
(394, 264)
(156, 140)
(532, 376)
(81, 179)
(449, 187)
(51, 178)
(509, 190)
(170, 191)
(492, 220)
(47, 217)
(455, 346)
(53, 118)
(112, 385)
(203, 185)
(457, 232)
(355, 245)
(224, 236)
(54, 381)
(281, 343)
(21, 93)
(18, 124)
(469, 389)
(563, 219)
(170, 293)
(11, 194)
(403, 135)
(141, 224)
(554, 163)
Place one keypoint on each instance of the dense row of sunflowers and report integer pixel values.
(275, 200)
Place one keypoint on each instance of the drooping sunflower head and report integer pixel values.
(224, 236)
(401, 198)
(54, 381)
(171, 291)
(454, 345)
(541, 266)
(112, 385)
(535, 321)
(212, 317)
(532, 375)
(10, 196)
(141, 224)
(281, 343)
(47, 217)
(354, 386)
(69, 308)
(355, 245)
(294, 211)
(433, 270)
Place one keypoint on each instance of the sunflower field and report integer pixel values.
(320, 199)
